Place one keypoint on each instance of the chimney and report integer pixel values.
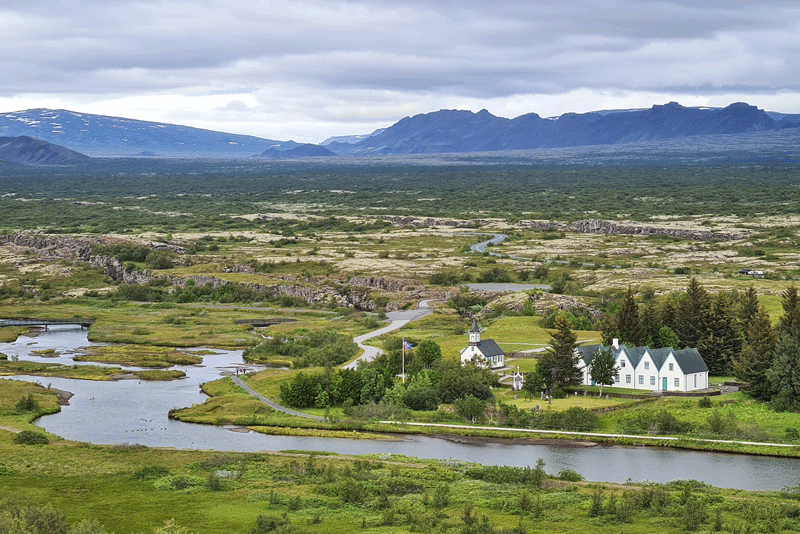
(615, 343)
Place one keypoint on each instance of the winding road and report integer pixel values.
(398, 319)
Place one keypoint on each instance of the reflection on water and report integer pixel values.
(135, 412)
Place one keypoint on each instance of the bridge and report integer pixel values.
(264, 322)
(84, 323)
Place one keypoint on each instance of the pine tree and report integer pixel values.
(651, 323)
(724, 342)
(783, 377)
(560, 361)
(667, 312)
(748, 307)
(628, 326)
(756, 357)
(692, 316)
(790, 322)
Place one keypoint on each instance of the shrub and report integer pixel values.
(27, 404)
(570, 475)
(705, 402)
(150, 472)
(29, 437)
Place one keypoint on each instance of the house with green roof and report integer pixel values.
(661, 369)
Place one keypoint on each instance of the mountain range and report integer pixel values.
(444, 131)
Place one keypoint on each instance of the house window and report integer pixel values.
(652, 381)
(647, 365)
(622, 363)
(672, 367)
(627, 379)
(677, 382)
(616, 378)
(641, 379)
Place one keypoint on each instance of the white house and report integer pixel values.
(663, 369)
(486, 351)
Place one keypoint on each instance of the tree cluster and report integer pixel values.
(716, 325)
(430, 381)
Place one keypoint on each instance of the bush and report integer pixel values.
(150, 472)
(29, 437)
(705, 402)
(27, 404)
(570, 475)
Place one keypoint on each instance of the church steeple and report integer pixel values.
(474, 333)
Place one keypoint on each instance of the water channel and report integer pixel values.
(135, 412)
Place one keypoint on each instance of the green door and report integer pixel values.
(665, 384)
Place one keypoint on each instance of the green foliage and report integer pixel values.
(27, 404)
(570, 475)
(31, 437)
(150, 472)
(318, 348)
(603, 368)
(558, 368)
(470, 408)
(31, 519)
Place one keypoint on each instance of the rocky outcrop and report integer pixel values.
(541, 225)
(53, 247)
(386, 284)
(540, 301)
(114, 269)
(429, 221)
(598, 226)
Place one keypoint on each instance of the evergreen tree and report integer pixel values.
(748, 308)
(724, 342)
(783, 377)
(756, 357)
(651, 324)
(603, 368)
(559, 365)
(692, 316)
(667, 312)
(628, 326)
(790, 322)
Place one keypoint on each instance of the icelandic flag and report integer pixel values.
(407, 345)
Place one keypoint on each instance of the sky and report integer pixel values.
(306, 70)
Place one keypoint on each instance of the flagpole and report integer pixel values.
(404, 360)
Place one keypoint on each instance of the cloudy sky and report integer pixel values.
(308, 69)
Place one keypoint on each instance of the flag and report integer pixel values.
(407, 345)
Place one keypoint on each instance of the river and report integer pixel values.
(135, 412)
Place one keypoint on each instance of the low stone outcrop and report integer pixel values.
(430, 221)
(599, 226)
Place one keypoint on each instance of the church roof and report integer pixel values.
(489, 348)
(474, 326)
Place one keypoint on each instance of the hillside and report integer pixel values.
(103, 136)
(26, 150)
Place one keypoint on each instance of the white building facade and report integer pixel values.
(663, 369)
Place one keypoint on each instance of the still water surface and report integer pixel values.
(135, 412)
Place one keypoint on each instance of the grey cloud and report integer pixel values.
(411, 50)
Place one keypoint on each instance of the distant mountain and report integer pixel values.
(102, 136)
(302, 151)
(350, 139)
(26, 150)
(442, 131)
(464, 131)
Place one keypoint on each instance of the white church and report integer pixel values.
(486, 351)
